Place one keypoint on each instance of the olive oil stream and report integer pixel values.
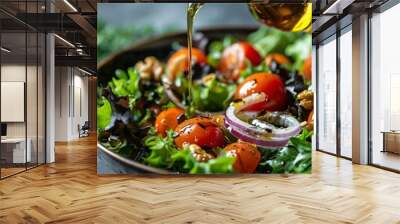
(192, 9)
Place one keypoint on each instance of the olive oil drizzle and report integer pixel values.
(191, 11)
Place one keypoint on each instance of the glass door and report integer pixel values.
(22, 95)
(35, 89)
(385, 90)
(14, 153)
(326, 93)
(32, 97)
(345, 60)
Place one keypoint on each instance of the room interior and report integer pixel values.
(335, 69)
(48, 92)
(22, 101)
(33, 98)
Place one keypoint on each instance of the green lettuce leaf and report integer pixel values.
(270, 40)
(104, 113)
(161, 149)
(212, 96)
(216, 49)
(294, 158)
(126, 85)
(299, 51)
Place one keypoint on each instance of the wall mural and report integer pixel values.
(220, 99)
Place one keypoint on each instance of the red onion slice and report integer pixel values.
(255, 135)
(292, 129)
(272, 143)
(273, 137)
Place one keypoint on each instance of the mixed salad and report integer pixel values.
(250, 111)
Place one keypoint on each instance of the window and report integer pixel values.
(327, 96)
(346, 93)
(385, 89)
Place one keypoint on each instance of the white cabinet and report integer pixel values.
(16, 147)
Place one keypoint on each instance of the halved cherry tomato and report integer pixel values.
(201, 131)
(247, 156)
(215, 137)
(307, 69)
(278, 58)
(233, 59)
(178, 62)
(168, 119)
(269, 84)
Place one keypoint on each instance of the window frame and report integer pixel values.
(339, 32)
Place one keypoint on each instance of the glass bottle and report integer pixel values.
(292, 16)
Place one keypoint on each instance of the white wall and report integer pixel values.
(16, 73)
(10, 73)
(71, 94)
(80, 110)
(61, 103)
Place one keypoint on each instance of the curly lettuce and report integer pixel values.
(294, 158)
(212, 95)
(104, 113)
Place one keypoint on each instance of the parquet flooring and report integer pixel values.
(69, 191)
(10, 171)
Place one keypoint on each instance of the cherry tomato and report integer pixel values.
(178, 62)
(269, 84)
(310, 121)
(278, 58)
(168, 119)
(247, 156)
(215, 137)
(233, 59)
(307, 69)
(201, 131)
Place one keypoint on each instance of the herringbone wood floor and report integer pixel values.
(69, 191)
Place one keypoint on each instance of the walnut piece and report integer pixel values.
(199, 154)
(150, 69)
(306, 99)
